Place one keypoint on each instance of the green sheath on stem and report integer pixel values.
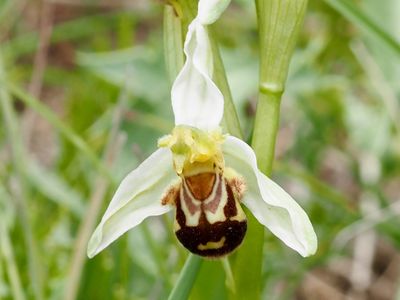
(172, 42)
(279, 23)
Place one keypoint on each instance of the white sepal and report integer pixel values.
(211, 10)
(269, 203)
(196, 100)
(137, 197)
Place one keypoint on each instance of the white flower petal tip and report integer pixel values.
(269, 203)
(138, 197)
(211, 10)
(196, 100)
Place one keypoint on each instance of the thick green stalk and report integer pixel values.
(186, 278)
(279, 23)
(267, 117)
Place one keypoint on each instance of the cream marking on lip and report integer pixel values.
(220, 197)
(190, 206)
(240, 215)
(212, 245)
(213, 201)
(176, 226)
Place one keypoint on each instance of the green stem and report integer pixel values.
(266, 126)
(186, 278)
(279, 23)
(230, 282)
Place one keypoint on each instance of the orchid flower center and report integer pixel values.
(194, 151)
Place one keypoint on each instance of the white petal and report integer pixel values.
(196, 100)
(138, 197)
(269, 203)
(210, 10)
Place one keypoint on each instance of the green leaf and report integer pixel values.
(248, 261)
(138, 70)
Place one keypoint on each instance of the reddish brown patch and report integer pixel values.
(201, 185)
(189, 201)
(171, 195)
(213, 204)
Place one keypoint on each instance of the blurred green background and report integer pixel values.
(85, 95)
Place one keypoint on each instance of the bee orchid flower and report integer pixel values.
(202, 173)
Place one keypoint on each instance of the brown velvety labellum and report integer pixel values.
(209, 222)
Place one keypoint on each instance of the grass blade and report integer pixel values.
(359, 18)
(64, 129)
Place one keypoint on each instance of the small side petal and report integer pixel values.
(211, 10)
(196, 100)
(269, 203)
(138, 197)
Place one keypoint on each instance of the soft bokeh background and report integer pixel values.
(97, 69)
